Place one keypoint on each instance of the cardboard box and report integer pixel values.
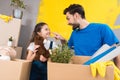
(75, 71)
(19, 52)
(15, 69)
(12, 28)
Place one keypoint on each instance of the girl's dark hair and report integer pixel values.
(38, 40)
(37, 28)
(73, 8)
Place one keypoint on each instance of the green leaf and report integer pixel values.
(62, 54)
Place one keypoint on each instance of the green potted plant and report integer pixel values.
(10, 41)
(18, 6)
(62, 54)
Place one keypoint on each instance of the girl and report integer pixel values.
(38, 51)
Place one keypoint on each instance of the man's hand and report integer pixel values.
(57, 36)
(117, 61)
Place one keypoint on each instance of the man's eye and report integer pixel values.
(46, 29)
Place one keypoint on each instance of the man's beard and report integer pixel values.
(75, 26)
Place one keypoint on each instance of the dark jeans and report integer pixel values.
(38, 70)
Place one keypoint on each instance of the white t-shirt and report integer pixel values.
(46, 45)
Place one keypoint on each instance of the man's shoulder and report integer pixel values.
(99, 25)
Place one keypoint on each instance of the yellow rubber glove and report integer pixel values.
(116, 70)
(6, 18)
(93, 69)
(116, 76)
(98, 67)
(101, 68)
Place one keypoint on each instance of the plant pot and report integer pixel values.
(10, 43)
(17, 13)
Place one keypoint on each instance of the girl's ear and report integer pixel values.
(38, 33)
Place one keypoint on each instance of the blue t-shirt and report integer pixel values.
(88, 40)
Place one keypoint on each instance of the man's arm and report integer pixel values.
(117, 59)
(59, 37)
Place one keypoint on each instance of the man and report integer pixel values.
(86, 37)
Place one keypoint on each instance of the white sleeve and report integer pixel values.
(47, 44)
(55, 45)
(31, 46)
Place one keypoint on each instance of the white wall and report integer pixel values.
(117, 33)
(28, 20)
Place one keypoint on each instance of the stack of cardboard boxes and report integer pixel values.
(15, 69)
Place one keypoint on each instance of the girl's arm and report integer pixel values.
(30, 55)
(32, 52)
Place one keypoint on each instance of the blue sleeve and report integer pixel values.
(70, 41)
(108, 36)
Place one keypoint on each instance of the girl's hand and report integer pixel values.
(36, 47)
(31, 54)
(42, 58)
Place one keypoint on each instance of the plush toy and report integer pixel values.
(7, 53)
(41, 50)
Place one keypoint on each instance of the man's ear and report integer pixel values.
(76, 15)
